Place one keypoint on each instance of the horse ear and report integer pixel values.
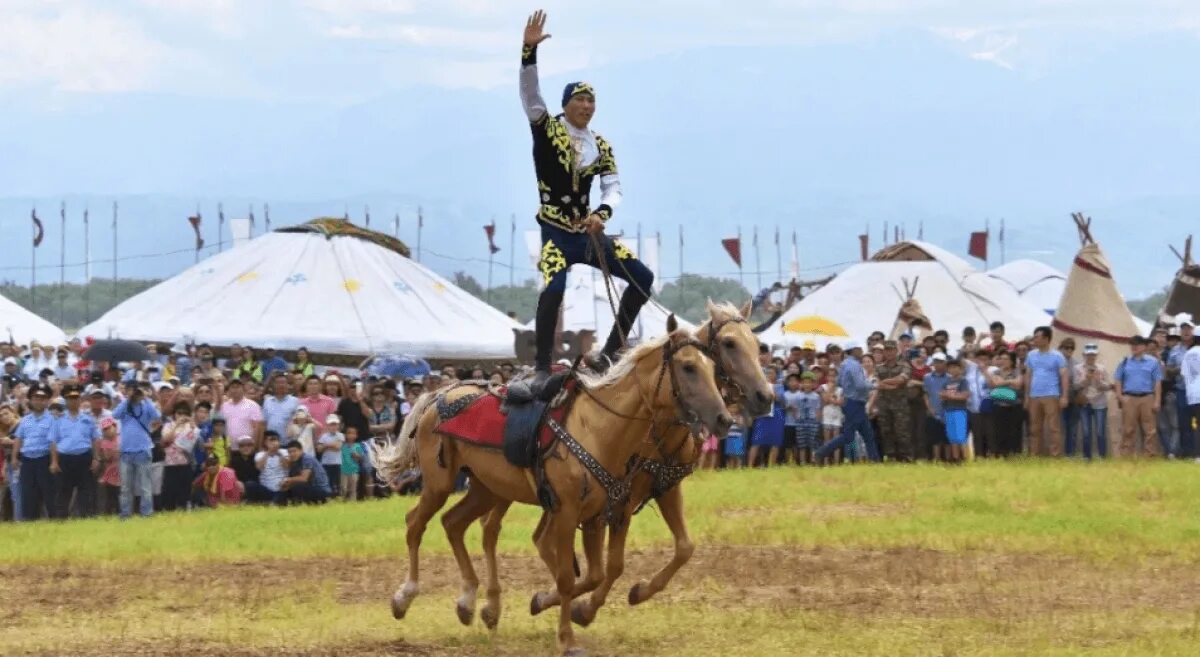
(709, 306)
(746, 309)
(672, 323)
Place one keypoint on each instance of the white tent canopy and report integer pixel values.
(22, 326)
(326, 285)
(866, 297)
(1036, 282)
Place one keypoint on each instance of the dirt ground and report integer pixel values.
(915, 583)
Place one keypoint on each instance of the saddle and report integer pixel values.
(525, 407)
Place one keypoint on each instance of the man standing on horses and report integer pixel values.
(567, 156)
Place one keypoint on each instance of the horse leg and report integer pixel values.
(476, 503)
(491, 536)
(670, 504)
(546, 551)
(584, 611)
(432, 498)
(593, 549)
(562, 530)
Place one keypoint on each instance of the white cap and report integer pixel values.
(938, 357)
(332, 418)
(159, 385)
(851, 345)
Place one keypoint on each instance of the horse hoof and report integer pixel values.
(490, 617)
(399, 609)
(465, 613)
(579, 615)
(535, 605)
(635, 595)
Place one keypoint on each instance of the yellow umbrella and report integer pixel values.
(816, 325)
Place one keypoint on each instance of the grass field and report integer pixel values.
(1025, 558)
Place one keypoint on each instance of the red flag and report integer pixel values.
(194, 220)
(733, 246)
(978, 247)
(490, 229)
(862, 245)
(37, 227)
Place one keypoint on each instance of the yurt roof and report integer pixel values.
(918, 251)
(866, 297)
(327, 285)
(22, 326)
(1037, 282)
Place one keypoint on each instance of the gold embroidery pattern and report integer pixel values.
(551, 262)
(621, 251)
(606, 164)
(561, 141)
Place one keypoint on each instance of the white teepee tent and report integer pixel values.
(21, 326)
(867, 297)
(327, 285)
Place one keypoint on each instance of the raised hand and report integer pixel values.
(534, 29)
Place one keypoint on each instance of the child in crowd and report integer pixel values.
(352, 458)
(109, 492)
(708, 450)
(803, 416)
(954, 411)
(218, 440)
(831, 412)
(203, 417)
(329, 446)
(735, 444)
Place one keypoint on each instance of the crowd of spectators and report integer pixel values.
(187, 430)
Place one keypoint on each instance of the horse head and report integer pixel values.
(693, 390)
(734, 348)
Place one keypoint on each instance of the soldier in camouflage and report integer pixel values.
(895, 424)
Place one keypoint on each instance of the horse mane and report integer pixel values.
(725, 311)
(625, 365)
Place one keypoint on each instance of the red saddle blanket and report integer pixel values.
(482, 423)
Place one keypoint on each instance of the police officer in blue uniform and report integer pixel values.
(75, 454)
(32, 446)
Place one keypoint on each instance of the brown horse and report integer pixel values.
(735, 350)
(587, 466)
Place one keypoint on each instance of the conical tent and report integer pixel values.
(327, 285)
(21, 326)
(1091, 309)
(1184, 294)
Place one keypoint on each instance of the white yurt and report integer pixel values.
(20, 326)
(867, 297)
(1036, 282)
(327, 285)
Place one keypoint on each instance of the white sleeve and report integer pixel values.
(610, 190)
(531, 94)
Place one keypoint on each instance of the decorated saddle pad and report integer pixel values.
(481, 421)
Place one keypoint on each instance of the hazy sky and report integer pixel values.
(343, 51)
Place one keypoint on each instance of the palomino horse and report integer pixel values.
(586, 467)
(734, 348)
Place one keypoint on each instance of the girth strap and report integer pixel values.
(617, 490)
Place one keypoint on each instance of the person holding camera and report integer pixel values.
(136, 415)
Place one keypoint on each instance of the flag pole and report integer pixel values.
(778, 254)
(367, 213)
(396, 227)
(795, 257)
(62, 263)
(681, 265)
(33, 269)
(267, 217)
(114, 281)
(420, 227)
(741, 272)
(512, 251)
(220, 228)
(757, 260)
(491, 259)
(987, 237)
(87, 268)
(1003, 258)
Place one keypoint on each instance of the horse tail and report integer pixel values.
(393, 458)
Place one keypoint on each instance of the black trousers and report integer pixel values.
(1007, 424)
(177, 487)
(307, 493)
(256, 492)
(76, 479)
(39, 489)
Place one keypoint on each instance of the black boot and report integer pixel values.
(547, 320)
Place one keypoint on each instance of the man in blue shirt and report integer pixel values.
(75, 456)
(272, 363)
(1187, 438)
(1047, 390)
(280, 406)
(306, 481)
(935, 415)
(856, 390)
(136, 415)
(1139, 396)
(31, 446)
